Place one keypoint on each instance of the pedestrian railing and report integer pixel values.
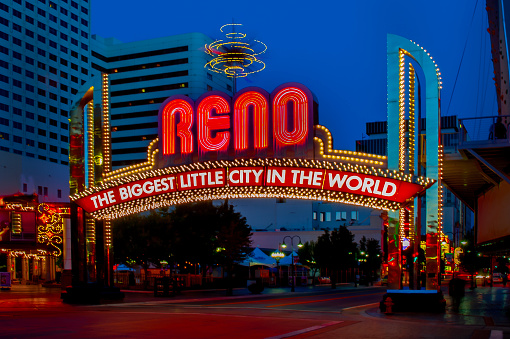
(484, 130)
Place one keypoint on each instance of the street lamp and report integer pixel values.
(277, 256)
(299, 245)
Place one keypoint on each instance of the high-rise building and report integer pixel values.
(142, 75)
(44, 59)
(456, 215)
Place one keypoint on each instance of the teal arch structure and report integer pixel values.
(396, 46)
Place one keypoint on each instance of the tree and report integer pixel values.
(307, 255)
(469, 260)
(335, 252)
(233, 239)
(141, 238)
(193, 229)
(373, 257)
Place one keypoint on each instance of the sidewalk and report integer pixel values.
(483, 306)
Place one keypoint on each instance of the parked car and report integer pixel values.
(324, 280)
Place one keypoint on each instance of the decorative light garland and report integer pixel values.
(235, 56)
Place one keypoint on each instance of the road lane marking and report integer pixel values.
(348, 308)
(322, 300)
(287, 298)
(305, 330)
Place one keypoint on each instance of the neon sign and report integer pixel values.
(254, 145)
(253, 123)
(239, 179)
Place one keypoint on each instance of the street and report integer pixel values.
(320, 312)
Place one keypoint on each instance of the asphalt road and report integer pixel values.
(346, 312)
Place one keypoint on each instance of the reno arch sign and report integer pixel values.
(252, 145)
(252, 124)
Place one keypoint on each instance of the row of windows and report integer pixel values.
(149, 77)
(40, 51)
(42, 12)
(147, 101)
(53, 31)
(40, 118)
(129, 150)
(132, 127)
(31, 75)
(134, 138)
(141, 114)
(339, 216)
(30, 115)
(148, 89)
(43, 190)
(41, 92)
(30, 142)
(32, 155)
(124, 163)
(140, 54)
(139, 67)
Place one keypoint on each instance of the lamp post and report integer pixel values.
(299, 245)
(277, 256)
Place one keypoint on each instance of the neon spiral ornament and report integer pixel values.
(235, 56)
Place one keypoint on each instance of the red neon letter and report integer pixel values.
(298, 135)
(183, 127)
(207, 124)
(260, 120)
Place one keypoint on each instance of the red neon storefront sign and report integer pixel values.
(253, 123)
(263, 176)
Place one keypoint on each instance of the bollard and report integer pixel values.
(388, 303)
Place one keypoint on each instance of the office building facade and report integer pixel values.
(142, 75)
(44, 59)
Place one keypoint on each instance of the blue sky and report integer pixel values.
(335, 48)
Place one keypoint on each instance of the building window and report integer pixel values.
(17, 139)
(209, 76)
(209, 88)
(39, 190)
(25, 188)
(59, 193)
(344, 216)
(328, 216)
(321, 216)
(354, 215)
(41, 145)
(314, 215)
